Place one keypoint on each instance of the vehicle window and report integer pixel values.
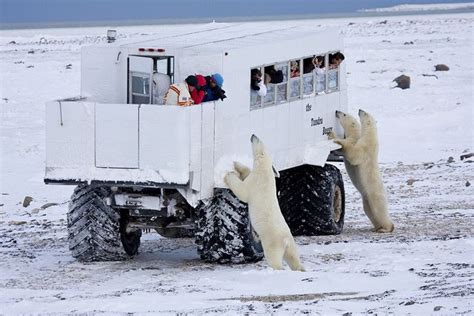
(165, 65)
(295, 79)
(333, 79)
(319, 73)
(276, 77)
(162, 66)
(256, 90)
(140, 88)
(308, 76)
(335, 59)
(281, 89)
(270, 97)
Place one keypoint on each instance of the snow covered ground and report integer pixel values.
(425, 267)
(422, 7)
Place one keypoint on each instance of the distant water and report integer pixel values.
(54, 13)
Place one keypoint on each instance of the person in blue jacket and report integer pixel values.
(213, 89)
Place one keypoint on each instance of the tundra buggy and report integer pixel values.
(139, 164)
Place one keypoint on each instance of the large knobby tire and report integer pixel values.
(312, 200)
(97, 232)
(224, 233)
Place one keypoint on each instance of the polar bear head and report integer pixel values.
(261, 157)
(368, 123)
(350, 124)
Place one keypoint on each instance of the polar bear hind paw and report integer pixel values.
(383, 230)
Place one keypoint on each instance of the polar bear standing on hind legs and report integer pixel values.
(360, 148)
(257, 188)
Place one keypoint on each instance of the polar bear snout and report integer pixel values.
(258, 148)
(340, 114)
(254, 139)
(362, 112)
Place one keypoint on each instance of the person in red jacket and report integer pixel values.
(196, 86)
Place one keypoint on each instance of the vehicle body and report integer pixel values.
(160, 161)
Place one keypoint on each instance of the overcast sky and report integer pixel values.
(41, 11)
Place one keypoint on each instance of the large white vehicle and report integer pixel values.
(140, 165)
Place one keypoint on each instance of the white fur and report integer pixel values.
(257, 188)
(360, 148)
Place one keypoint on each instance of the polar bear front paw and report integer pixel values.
(331, 135)
(339, 141)
(229, 176)
(242, 170)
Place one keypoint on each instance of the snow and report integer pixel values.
(424, 267)
(112, 174)
(422, 7)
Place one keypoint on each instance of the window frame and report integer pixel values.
(170, 67)
(302, 95)
(338, 74)
(145, 76)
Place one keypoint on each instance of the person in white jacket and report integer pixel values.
(319, 73)
(178, 94)
(257, 87)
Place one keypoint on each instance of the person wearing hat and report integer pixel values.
(213, 89)
(182, 93)
(196, 86)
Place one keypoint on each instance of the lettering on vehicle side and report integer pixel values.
(327, 130)
(308, 107)
(316, 122)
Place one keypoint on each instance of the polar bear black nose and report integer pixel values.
(253, 138)
(361, 112)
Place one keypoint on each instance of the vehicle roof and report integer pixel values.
(225, 36)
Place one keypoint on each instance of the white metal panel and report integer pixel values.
(295, 126)
(116, 135)
(330, 121)
(195, 143)
(281, 131)
(198, 63)
(313, 119)
(69, 134)
(140, 64)
(164, 140)
(104, 74)
(220, 37)
(207, 147)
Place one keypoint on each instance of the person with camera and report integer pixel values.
(186, 93)
(196, 86)
(319, 73)
(213, 89)
(272, 75)
(256, 83)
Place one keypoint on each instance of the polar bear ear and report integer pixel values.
(275, 172)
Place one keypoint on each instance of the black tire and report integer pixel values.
(312, 200)
(97, 232)
(224, 233)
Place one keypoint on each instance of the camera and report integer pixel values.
(220, 94)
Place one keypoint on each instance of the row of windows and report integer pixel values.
(290, 83)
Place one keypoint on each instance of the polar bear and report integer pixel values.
(257, 188)
(360, 148)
